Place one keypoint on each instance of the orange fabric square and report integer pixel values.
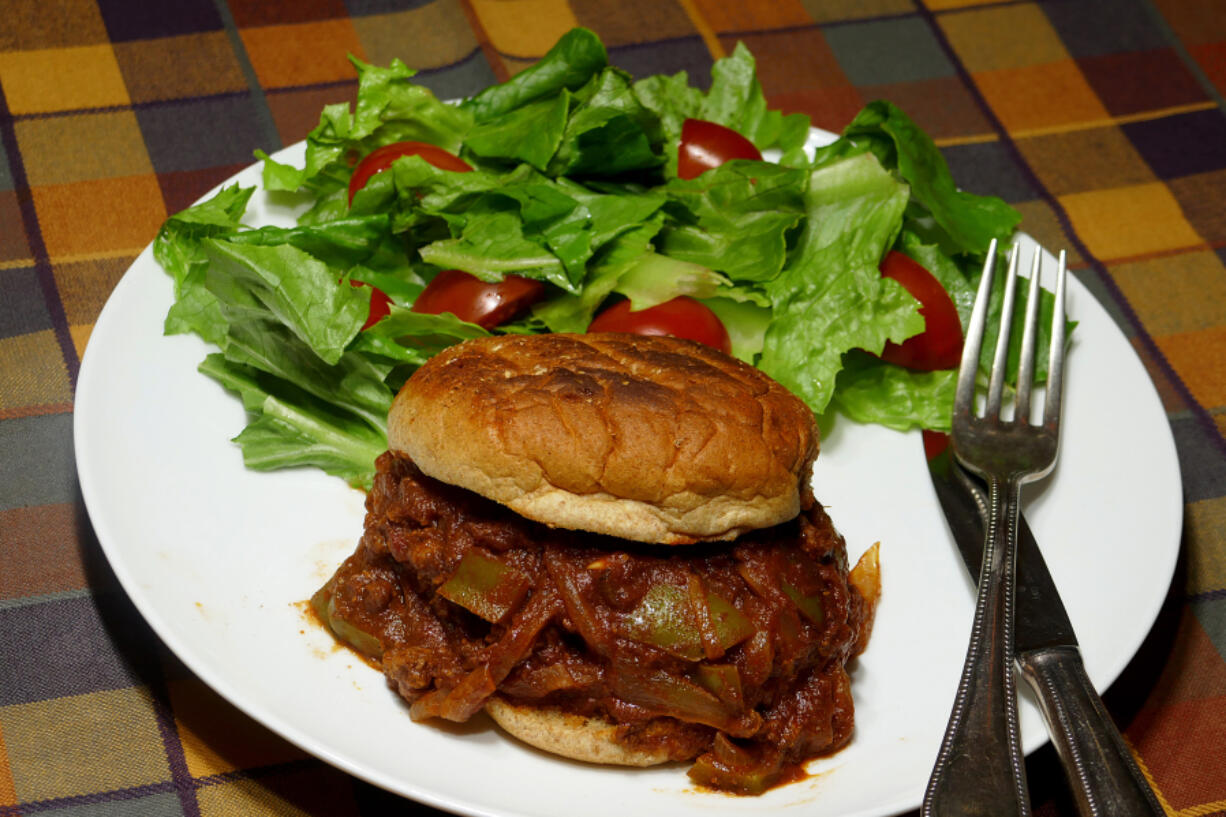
(1200, 360)
(1041, 98)
(62, 79)
(1175, 293)
(302, 54)
(722, 16)
(1128, 222)
(100, 217)
(1162, 736)
(503, 21)
(1003, 36)
(8, 792)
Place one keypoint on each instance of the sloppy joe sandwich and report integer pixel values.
(610, 544)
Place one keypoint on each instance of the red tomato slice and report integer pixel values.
(935, 443)
(380, 304)
(381, 159)
(473, 300)
(939, 346)
(682, 317)
(706, 145)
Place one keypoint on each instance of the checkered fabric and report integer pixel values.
(1102, 121)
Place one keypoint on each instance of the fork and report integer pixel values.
(979, 769)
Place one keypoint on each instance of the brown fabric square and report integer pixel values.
(30, 25)
(1202, 196)
(296, 112)
(14, 246)
(631, 22)
(84, 286)
(40, 551)
(830, 109)
(1155, 80)
(184, 188)
(1076, 161)
(1212, 60)
(792, 61)
(730, 18)
(176, 67)
(1195, 21)
(832, 11)
(248, 13)
(1042, 223)
(944, 107)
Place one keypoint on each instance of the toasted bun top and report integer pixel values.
(653, 439)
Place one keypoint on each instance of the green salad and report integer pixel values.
(574, 184)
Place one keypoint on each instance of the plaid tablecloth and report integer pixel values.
(1102, 121)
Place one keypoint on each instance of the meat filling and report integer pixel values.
(732, 654)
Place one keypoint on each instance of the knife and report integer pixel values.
(1102, 773)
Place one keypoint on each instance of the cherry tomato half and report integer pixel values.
(706, 145)
(380, 304)
(939, 346)
(682, 317)
(381, 159)
(471, 299)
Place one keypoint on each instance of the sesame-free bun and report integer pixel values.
(653, 439)
(571, 736)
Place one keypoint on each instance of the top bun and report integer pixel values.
(653, 439)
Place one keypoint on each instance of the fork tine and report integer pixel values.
(968, 369)
(1055, 361)
(1000, 360)
(1025, 369)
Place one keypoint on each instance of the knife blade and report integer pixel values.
(1103, 775)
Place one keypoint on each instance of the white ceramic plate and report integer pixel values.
(219, 560)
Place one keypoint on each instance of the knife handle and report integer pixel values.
(1102, 773)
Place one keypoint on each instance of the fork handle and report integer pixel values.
(1103, 776)
(980, 768)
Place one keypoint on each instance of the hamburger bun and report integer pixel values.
(653, 439)
(575, 737)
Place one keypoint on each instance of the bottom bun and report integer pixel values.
(572, 736)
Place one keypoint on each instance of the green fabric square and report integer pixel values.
(879, 52)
